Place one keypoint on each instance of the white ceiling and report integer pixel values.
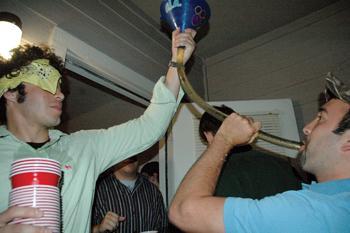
(234, 22)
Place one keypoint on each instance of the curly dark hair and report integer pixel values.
(23, 56)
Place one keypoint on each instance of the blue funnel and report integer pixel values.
(184, 13)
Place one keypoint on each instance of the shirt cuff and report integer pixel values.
(161, 94)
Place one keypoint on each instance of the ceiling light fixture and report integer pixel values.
(11, 33)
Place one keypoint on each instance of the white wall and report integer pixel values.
(290, 62)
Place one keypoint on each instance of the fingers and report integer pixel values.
(239, 130)
(257, 127)
(175, 32)
(121, 218)
(112, 215)
(249, 121)
(191, 32)
(111, 221)
(109, 225)
(183, 40)
(174, 36)
(24, 228)
(19, 212)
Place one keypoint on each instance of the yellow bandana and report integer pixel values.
(39, 73)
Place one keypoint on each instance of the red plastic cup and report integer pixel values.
(35, 178)
(35, 184)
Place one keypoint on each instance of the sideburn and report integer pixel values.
(21, 93)
(344, 124)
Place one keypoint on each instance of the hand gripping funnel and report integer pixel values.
(184, 13)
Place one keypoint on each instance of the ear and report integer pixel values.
(345, 142)
(209, 136)
(11, 96)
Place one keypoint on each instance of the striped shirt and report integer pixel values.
(143, 207)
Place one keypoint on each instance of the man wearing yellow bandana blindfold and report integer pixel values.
(31, 105)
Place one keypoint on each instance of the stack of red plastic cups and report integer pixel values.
(35, 184)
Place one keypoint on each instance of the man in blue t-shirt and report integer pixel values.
(319, 207)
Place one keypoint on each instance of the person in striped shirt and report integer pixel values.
(126, 202)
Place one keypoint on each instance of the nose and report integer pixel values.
(59, 95)
(309, 127)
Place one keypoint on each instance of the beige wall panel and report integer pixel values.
(290, 66)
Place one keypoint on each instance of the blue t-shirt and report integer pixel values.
(317, 208)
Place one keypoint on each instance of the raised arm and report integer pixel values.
(179, 39)
(194, 208)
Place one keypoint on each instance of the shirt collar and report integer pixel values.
(3, 131)
(329, 187)
(53, 133)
